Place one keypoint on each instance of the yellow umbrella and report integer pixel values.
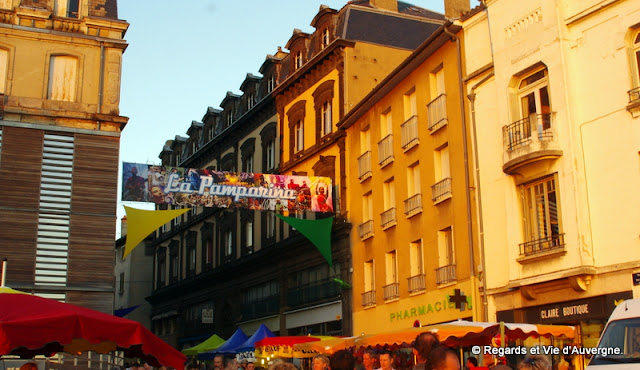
(326, 346)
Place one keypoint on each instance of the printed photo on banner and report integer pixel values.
(210, 188)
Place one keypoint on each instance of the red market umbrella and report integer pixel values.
(32, 325)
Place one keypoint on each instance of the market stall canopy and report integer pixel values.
(249, 344)
(465, 333)
(228, 347)
(32, 325)
(210, 344)
(283, 346)
(326, 346)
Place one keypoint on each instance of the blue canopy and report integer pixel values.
(228, 347)
(249, 345)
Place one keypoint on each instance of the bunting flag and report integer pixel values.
(142, 222)
(317, 231)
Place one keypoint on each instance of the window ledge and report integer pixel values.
(634, 108)
(442, 199)
(390, 224)
(414, 212)
(386, 162)
(366, 236)
(446, 285)
(369, 306)
(365, 176)
(542, 256)
(417, 292)
(413, 143)
(391, 300)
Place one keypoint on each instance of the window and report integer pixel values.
(174, 261)
(441, 190)
(194, 147)
(247, 149)
(409, 127)
(121, 288)
(178, 159)
(65, 8)
(251, 101)
(369, 287)
(4, 69)
(365, 229)
(437, 107)
(191, 252)
(63, 76)
(541, 217)
(299, 135)
(270, 155)
(298, 60)
(271, 83)
(247, 164)
(636, 52)
(364, 160)
(228, 243)
(270, 231)
(413, 204)
(326, 118)
(162, 268)
(325, 37)
(248, 230)
(446, 272)
(385, 145)
(416, 267)
(229, 119)
(391, 290)
(388, 217)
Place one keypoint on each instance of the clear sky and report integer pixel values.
(184, 56)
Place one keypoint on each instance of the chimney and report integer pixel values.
(123, 226)
(391, 5)
(455, 8)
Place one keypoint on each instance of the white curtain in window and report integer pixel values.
(63, 74)
(4, 58)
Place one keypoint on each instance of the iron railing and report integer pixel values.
(409, 135)
(441, 189)
(446, 274)
(388, 218)
(519, 132)
(261, 308)
(365, 229)
(364, 165)
(634, 95)
(385, 150)
(413, 204)
(437, 109)
(369, 298)
(417, 283)
(391, 291)
(315, 291)
(542, 245)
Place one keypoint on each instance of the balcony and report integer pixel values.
(446, 274)
(529, 140)
(385, 150)
(364, 166)
(369, 298)
(388, 218)
(391, 291)
(417, 283)
(634, 102)
(441, 190)
(316, 291)
(413, 205)
(261, 308)
(365, 230)
(543, 247)
(409, 136)
(437, 110)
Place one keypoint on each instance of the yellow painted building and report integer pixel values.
(414, 235)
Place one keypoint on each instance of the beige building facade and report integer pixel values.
(553, 94)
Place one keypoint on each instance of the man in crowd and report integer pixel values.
(422, 346)
(342, 360)
(386, 360)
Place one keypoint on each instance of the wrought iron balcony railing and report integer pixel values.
(316, 291)
(441, 190)
(519, 132)
(437, 109)
(364, 166)
(542, 245)
(385, 150)
(369, 298)
(391, 291)
(413, 205)
(388, 218)
(417, 283)
(409, 137)
(446, 274)
(365, 229)
(634, 95)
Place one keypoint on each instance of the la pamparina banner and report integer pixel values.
(210, 188)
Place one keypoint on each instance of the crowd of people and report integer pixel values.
(428, 352)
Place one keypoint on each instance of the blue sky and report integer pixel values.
(183, 58)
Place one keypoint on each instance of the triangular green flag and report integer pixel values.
(317, 231)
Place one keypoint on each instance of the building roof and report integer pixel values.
(251, 78)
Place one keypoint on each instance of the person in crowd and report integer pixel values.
(471, 363)
(218, 362)
(342, 360)
(422, 346)
(369, 359)
(281, 365)
(29, 366)
(320, 362)
(534, 362)
(193, 366)
(251, 365)
(442, 358)
(385, 357)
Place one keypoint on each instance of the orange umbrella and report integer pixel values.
(326, 346)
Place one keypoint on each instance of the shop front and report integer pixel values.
(587, 315)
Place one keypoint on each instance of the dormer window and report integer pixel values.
(178, 160)
(211, 132)
(229, 119)
(271, 83)
(66, 8)
(325, 38)
(251, 100)
(194, 147)
(298, 59)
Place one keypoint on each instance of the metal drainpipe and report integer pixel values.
(465, 151)
(472, 100)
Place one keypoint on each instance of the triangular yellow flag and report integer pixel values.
(141, 223)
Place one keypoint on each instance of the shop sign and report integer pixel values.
(207, 315)
(591, 308)
(456, 301)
